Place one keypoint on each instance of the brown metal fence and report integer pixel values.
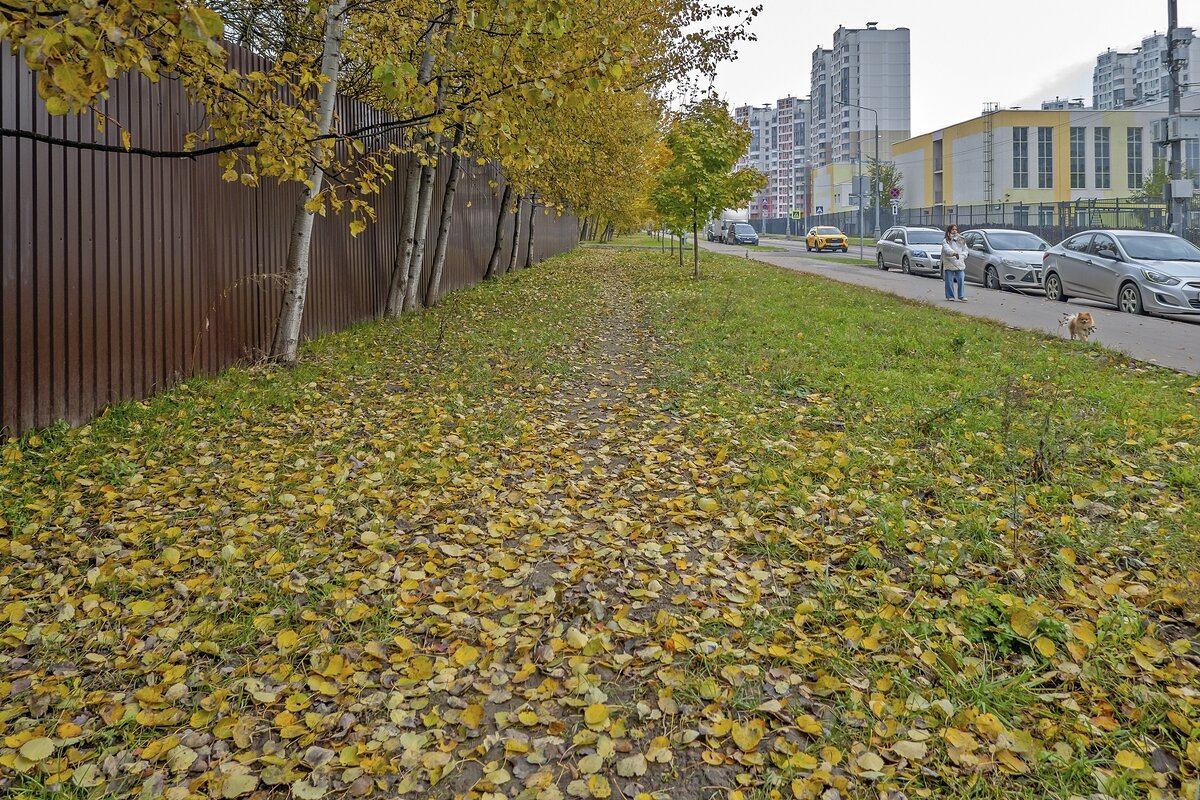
(121, 274)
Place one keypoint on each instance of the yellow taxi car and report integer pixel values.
(826, 237)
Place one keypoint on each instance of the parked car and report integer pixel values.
(741, 233)
(1005, 259)
(1137, 271)
(911, 248)
(826, 237)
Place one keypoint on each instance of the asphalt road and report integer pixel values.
(1173, 343)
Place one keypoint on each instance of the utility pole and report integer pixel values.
(1179, 203)
(875, 176)
(808, 151)
(861, 232)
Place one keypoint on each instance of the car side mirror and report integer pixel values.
(1108, 252)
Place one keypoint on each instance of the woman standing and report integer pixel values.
(954, 263)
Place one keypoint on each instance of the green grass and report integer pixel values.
(636, 240)
(899, 479)
(927, 410)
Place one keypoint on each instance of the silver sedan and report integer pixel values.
(1005, 259)
(1137, 271)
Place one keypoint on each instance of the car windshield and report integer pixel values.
(829, 231)
(925, 237)
(1017, 240)
(742, 227)
(1160, 248)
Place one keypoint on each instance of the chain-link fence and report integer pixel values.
(1052, 221)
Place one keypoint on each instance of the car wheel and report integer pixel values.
(845, 249)
(990, 279)
(879, 261)
(905, 267)
(1054, 288)
(1129, 299)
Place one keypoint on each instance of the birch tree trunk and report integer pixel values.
(286, 340)
(532, 216)
(425, 203)
(439, 252)
(398, 285)
(695, 243)
(516, 248)
(493, 264)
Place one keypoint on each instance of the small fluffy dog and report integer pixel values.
(1080, 325)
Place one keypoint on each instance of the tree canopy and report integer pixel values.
(559, 93)
(697, 178)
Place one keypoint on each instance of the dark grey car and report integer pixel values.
(1137, 271)
(911, 249)
(1005, 259)
(741, 233)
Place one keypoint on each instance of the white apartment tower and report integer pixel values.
(865, 75)
(763, 153)
(1127, 80)
(778, 136)
(1112, 80)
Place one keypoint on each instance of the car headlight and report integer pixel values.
(1159, 278)
(1012, 263)
(920, 254)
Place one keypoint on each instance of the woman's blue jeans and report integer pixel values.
(953, 277)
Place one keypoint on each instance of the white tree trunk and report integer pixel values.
(532, 215)
(425, 203)
(497, 248)
(516, 248)
(398, 286)
(287, 327)
(439, 252)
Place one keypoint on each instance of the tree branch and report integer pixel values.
(116, 148)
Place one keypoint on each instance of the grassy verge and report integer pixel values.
(993, 522)
(599, 528)
(636, 240)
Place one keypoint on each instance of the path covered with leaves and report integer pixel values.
(599, 530)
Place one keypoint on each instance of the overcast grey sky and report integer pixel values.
(964, 53)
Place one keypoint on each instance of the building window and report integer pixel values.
(1078, 158)
(1191, 158)
(1045, 158)
(1103, 159)
(1133, 148)
(1020, 158)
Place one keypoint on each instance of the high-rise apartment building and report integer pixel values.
(863, 81)
(1127, 80)
(809, 147)
(778, 137)
(863, 78)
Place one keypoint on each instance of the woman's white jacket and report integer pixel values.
(954, 254)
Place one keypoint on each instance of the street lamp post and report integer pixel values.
(875, 176)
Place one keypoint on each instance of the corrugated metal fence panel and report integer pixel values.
(121, 275)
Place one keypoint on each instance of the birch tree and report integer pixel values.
(443, 237)
(287, 329)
